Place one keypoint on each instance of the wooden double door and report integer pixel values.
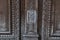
(36, 19)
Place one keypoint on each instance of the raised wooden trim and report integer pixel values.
(15, 17)
(48, 22)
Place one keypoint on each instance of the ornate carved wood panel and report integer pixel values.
(51, 20)
(31, 13)
(9, 19)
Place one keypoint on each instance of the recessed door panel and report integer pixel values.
(5, 16)
(57, 14)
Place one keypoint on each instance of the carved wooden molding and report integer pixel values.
(12, 20)
(49, 28)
